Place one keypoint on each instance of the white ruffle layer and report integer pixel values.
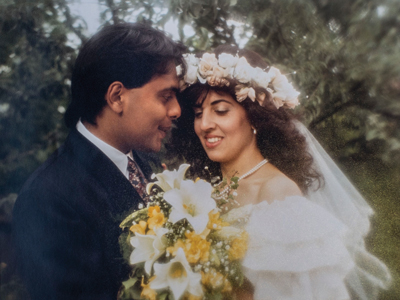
(296, 251)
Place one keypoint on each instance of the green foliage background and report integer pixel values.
(346, 55)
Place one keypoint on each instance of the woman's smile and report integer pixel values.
(223, 128)
(212, 141)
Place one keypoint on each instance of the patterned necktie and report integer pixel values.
(137, 179)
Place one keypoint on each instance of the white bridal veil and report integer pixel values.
(340, 197)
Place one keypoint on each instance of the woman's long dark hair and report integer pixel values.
(277, 137)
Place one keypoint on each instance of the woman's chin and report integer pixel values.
(216, 157)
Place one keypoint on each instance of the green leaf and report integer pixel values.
(137, 215)
(235, 179)
(234, 186)
(163, 295)
(129, 283)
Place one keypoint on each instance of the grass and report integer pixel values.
(379, 184)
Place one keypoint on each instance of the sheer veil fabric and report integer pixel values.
(339, 197)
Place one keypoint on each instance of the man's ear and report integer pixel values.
(113, 96)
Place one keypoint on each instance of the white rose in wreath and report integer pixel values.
(243, 71)
(206, 65)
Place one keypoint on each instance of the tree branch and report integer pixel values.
(330, 113)
(70, 22)
(114, 11)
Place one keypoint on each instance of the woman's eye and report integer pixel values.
(221, 112)
(197, 114)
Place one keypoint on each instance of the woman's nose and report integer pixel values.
(207, 123)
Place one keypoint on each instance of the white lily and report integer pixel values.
(148, 248)
(192, 202)
(178, 276)
(169, 179)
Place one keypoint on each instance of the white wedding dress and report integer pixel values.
(312, 248)
(296, 251)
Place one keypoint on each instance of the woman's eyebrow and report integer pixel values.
(197, 105)
(215, 102)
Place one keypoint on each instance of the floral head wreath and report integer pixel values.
(216, 72)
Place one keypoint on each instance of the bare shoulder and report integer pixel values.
(278, 188)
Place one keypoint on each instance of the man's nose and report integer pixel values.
(174, 110)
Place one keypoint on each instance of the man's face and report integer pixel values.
(148, 112)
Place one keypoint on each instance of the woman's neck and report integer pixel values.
(241, 165)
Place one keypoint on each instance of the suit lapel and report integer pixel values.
(122, 196)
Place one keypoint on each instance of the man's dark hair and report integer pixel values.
(132, 53)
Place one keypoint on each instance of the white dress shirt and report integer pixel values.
(117, 157)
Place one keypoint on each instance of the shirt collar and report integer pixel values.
(117, 157)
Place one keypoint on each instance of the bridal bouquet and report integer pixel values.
(181, 246)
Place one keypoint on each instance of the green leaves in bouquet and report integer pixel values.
(234, 182)
(236, 277)
(134, 217)
(125, 245)
(128, 291)
(224, 192)
(131, 288)
(214, 296)
(164, 296)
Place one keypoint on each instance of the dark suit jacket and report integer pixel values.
(66, 224)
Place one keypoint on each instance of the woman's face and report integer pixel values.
(223, 128)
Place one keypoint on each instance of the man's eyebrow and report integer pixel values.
(174, 89)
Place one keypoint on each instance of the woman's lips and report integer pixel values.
(212, 142)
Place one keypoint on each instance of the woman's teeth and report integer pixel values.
(214, 139)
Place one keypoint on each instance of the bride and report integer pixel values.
(309, 221)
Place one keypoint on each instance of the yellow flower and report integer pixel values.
(156, 217)
(150, 232)
(195, 247)
(139, 228)
(239, 246)
(227, 286)
(174, 249)
(148, 292)
(215, 222)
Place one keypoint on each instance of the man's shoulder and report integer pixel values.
(58, 164)
(62, 169)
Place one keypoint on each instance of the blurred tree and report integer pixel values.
(36, 56)
(35, 66)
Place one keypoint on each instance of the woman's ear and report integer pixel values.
(113, 96)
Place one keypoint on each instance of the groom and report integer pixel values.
(67, 214)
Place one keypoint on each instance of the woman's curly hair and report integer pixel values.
(277, 137)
